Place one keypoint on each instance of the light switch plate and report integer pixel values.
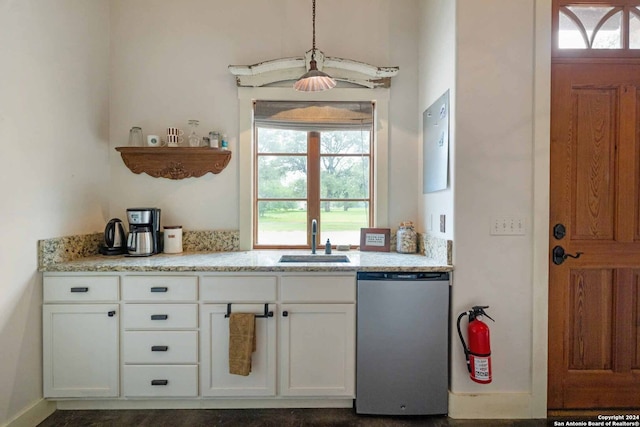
(507, 226)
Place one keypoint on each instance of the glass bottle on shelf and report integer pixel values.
(194, 139)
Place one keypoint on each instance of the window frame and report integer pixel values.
(246, 155)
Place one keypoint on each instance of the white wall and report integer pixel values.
(494, 170)
(169, 64)
(53, 128)
(437, 74)
(492, 175)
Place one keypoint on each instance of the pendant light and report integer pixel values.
(314, 80)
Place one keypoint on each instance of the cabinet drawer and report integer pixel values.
(160, 316)
(80, 288)
(160, 288)
(318, 288)
(160, 347)
(161, 381)
(238, 288)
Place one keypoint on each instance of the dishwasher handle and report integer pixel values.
(400, 276)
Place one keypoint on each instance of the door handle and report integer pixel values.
(559, 256)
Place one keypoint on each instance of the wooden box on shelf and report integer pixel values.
(175, 162)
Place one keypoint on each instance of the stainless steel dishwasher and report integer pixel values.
(402, 343)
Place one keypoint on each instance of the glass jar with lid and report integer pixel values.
(406, 238)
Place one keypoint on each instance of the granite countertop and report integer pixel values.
(259, 261)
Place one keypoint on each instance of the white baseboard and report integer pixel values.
(242, 403)
(493, 406)
(33, 415)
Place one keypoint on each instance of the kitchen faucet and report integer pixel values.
(314, 233)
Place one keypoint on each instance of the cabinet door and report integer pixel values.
(80, 350)
(317, 350)
(214, 347)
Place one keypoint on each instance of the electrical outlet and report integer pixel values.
(507, 226)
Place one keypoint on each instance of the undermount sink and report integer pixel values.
(314, 258)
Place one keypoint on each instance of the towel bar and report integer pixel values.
(267, 313)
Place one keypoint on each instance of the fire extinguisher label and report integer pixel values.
(481, 368)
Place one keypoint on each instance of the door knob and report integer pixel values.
(559, 256)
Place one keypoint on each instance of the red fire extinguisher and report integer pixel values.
(478, 354)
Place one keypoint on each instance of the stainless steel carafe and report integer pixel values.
(140, 241)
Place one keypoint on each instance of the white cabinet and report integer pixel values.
(317, 336)
(160, 344)
(80, 336)
(174, 331)
(317, 350)
(215, 377)
(221, 295)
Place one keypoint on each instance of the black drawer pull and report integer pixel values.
(159, 348)
(79, 289)
(159, 316)
(111, 313)
(159, 289)
(159, 382)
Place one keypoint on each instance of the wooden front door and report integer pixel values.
(594, 300)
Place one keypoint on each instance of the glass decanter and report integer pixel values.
(194, 139)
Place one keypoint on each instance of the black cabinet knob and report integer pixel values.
(285, 314)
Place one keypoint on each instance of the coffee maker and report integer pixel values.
(144, 231)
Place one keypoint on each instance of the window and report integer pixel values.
(591, 28)
(313, 160)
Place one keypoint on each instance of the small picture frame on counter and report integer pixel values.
(375, 239)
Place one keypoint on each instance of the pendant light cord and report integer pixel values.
(313, 49)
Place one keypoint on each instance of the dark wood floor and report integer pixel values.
(258, 418)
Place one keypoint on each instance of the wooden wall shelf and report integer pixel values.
(175, 162)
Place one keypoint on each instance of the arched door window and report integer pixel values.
(596, 28)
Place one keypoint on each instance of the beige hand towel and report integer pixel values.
(242, 342)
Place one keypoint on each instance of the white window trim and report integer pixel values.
(246, 96)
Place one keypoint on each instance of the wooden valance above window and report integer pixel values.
(309, 116)
(276, 71)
